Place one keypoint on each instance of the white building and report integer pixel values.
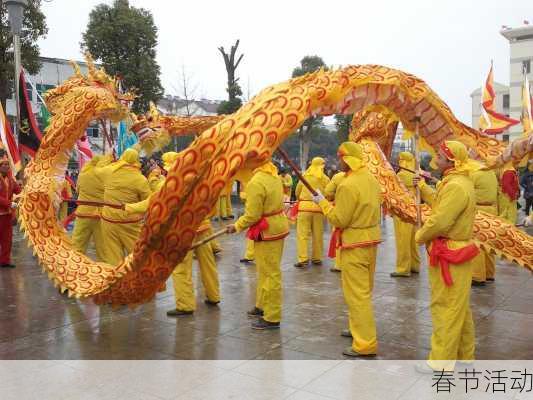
(520, 59)
(509, 98)
(174, 105)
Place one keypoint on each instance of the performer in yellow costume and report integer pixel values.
(407, 257)
(87, 223)
(123, 183)
(356, 217)
(447, 233)
(310, 220)
(267, 226)
(182, 276)
(509, 191)
(486, 190)
(329, 193)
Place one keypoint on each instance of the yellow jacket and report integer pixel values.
(287, 183)
(453, 210)
(331, 187)
(264, 196)
(486, 190)
(141, 207)
(305, 197)
(407, 178)
(357, 209)
(91, 188)
(123, 185)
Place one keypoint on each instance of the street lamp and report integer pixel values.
(15, 9)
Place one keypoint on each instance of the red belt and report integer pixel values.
(441, 255)
(254, 231)
(336, 241)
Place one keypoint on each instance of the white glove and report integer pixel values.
(528, 221)
(14, 205)
(318, 197)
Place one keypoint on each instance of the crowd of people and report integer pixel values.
(349, 200)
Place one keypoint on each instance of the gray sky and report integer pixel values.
(448, 43)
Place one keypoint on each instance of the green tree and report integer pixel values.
(234, 90)
(124, 39)
(307, 64)
(33, 28)
(343, 124)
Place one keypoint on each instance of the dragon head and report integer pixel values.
(150, 130)
(116, 103)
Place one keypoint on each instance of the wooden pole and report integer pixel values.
(417, 171)
(208, 239)
(296, 170)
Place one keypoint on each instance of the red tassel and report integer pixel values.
(333, 242)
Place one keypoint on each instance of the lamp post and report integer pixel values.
(15, 9)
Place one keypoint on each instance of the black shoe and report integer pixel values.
(398, 275)
(217, 251)
(478, 283)
(334, 269)
(178, 313)
(349, 352)
(211, 303)
(8, 265)
(415, 272)
(255, 312)
(261, 325)
(246, 260)
(231, 216)
(301, 264)
(346, 333)
(317, 262)
(490, 279)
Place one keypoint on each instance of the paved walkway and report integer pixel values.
(38, 323)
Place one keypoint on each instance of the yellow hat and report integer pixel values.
(458, 153)
(168, 159)
(352, 154)
(316, 168)
(268, 168)
(406, 160)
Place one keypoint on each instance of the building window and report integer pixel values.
(506, 138)
(92, 131)
(526, 66)
(505, 101)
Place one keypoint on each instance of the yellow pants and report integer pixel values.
(224, 206)
(84, 230)
(215, 244)
(269, 291)
(182, 277)
(507, 208)
(358, 267)
(118, 240)
(407, 257)
(249, 252)
(453, 336)
(309, 225)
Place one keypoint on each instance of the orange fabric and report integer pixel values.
(441, 255)
(335, 243)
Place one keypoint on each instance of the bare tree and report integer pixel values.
(234, 90)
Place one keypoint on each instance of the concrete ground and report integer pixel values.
(39, 323)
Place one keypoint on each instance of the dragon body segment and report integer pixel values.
(244, 139)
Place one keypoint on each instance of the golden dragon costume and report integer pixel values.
(244, 139)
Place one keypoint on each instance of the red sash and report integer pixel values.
(293, 212)
(443, 256)
(254, 231)
(335, 242)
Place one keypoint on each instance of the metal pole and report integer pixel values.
(18, 66)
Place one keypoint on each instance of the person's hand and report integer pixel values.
(416, 180)
(14, 205)
(231, 228)
(318, 197)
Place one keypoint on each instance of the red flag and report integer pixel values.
(30, 135)
(8, 143)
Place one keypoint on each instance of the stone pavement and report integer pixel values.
(39, 323)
